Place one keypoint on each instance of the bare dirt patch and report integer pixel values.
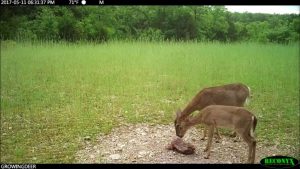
(144, 143)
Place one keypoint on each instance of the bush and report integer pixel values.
(151, 34)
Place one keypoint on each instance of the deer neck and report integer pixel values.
(190, 108)
(194, 120)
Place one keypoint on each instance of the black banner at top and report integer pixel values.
(147, 2)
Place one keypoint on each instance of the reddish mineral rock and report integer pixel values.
(180, 146)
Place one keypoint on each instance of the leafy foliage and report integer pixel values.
(203, 23)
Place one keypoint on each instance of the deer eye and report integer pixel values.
(178, 127)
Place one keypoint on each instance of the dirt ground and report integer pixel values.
(143, 143)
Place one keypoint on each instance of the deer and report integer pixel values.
(242, 121)
(236, 94)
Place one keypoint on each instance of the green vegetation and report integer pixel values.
(155, 23)
(55, 94)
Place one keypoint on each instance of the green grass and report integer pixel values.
(53, 95)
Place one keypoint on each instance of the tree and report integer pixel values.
(204, 23)
(46, 24)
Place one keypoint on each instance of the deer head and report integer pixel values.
(181, 123)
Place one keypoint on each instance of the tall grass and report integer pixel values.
(54, 95)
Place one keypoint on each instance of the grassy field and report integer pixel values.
(54, 95)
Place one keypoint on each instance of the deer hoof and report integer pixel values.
(203, 138)
(217, 141)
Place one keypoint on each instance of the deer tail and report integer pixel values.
(253, 126)
(248, 98)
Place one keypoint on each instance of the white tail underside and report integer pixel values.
(248, 98)
(251, 131)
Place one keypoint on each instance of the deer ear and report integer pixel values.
(178, 113)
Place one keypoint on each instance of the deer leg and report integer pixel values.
(209, 141)
(253, 150)
(204, 133)
(218, 135)
(251, 144)
(209, 133)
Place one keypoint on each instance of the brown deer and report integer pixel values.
(239, 119)
(235, 94)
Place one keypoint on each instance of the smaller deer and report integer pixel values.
(242, 121)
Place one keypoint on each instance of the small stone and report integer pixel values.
(121, 145)
(106, 152)
(92, 156)
(115, 156)
(142, 154)
(223, 142)
(151, 154)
